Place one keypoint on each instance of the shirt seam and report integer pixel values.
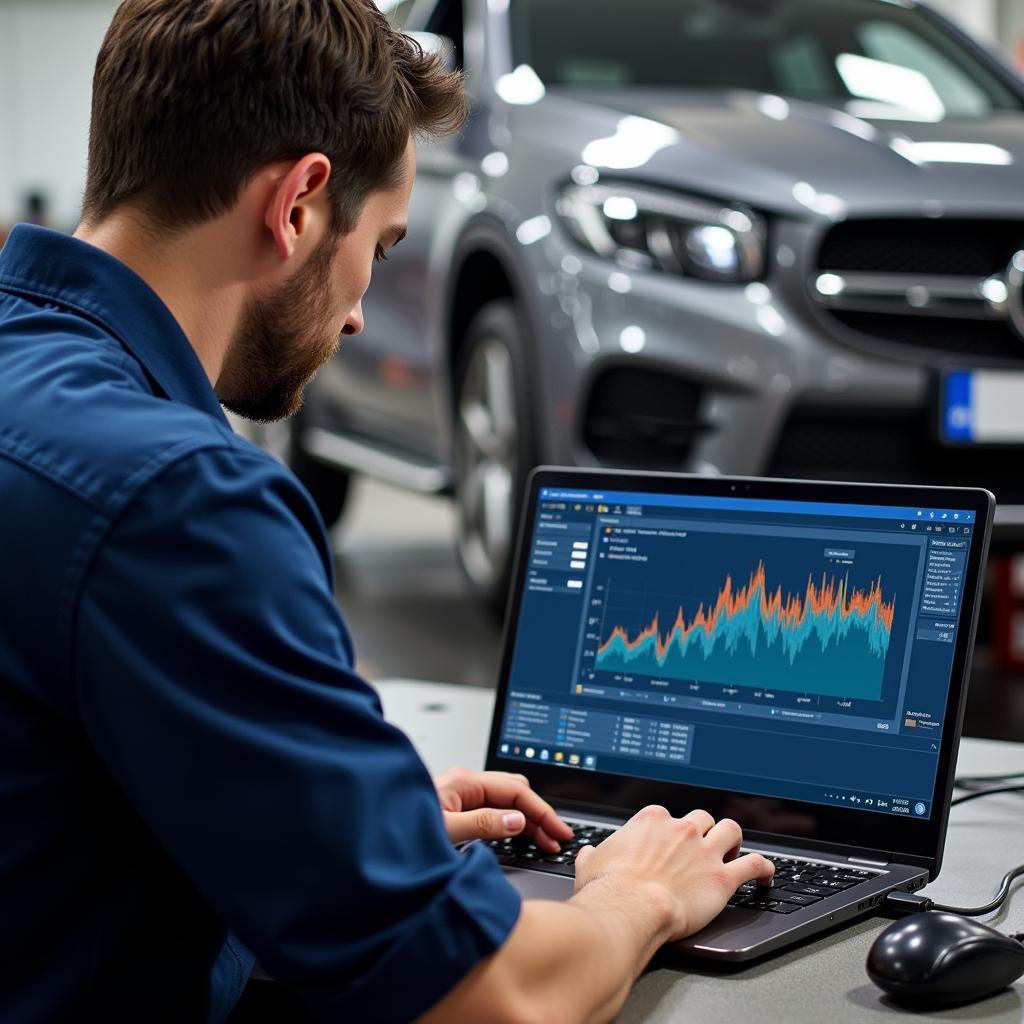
(22, 287)
(92, 537)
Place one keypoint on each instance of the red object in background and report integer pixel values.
(1008, 607)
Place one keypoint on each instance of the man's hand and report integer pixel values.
(688, 864)
(493, 805)
(657, 879)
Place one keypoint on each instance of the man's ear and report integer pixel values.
(299, 211)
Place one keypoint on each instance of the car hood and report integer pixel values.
(785, 155)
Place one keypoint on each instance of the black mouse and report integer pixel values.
(943, 959)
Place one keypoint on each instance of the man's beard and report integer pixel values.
(281, 342)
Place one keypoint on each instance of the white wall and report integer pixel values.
(47, 52)
(978, 17)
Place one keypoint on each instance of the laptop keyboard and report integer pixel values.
(797, 883)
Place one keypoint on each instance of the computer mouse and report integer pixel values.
(943, 959)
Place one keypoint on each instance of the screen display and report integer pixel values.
(790, 649)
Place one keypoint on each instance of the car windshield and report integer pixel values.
(871, 58)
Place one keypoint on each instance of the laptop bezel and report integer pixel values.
(874, 835)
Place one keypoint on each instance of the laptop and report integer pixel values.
(790, 654)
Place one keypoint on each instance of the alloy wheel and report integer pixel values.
(487, 443)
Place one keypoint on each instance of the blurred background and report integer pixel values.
(47, 52)
(402, 581)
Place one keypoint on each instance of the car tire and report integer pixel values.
(494, 447)
(328, 485)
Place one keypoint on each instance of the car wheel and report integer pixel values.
(494, 447)
(328, 485)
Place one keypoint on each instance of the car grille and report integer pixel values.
(935, 285)
(971, 247)
(887, 446)
(970, 338)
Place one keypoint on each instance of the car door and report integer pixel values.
(383, 384)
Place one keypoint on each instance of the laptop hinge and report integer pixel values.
(870, 863)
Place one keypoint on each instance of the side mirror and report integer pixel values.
(431, 43)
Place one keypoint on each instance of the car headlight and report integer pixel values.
(650, 229)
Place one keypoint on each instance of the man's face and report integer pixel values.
(283, 338)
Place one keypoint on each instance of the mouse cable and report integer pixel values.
(911, 903)
(980, 781)
(976, 794)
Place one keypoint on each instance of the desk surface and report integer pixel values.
(823, 981)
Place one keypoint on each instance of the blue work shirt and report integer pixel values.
(186, 754)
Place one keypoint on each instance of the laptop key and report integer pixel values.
(809, 890)
(832, 883)
(798, 899)
(782, 908)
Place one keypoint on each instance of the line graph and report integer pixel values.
(830, 638)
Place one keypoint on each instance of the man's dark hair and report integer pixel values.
(192, 97)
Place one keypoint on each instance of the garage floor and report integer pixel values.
(402, 594)
(400, 590)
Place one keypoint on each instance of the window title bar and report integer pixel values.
(781, 507)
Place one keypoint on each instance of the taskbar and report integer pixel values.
(661, 769)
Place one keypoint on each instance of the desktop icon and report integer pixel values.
(559, 756)
(589, 761)
(574, 759)
(545, 755)
(530, 752)
(504, 748)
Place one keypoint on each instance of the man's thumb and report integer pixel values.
(484, 823)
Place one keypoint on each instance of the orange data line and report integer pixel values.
(831, 596)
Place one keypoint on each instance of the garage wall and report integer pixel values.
(47, 52)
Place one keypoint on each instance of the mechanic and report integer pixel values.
(192, 776)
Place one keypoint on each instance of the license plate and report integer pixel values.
(982, 407)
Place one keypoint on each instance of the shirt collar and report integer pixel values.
(43, 264)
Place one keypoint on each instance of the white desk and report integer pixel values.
(820, 982)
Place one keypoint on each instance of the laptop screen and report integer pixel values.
(794, 649)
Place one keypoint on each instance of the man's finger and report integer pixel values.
(725, 836)
(483, 823)
(751, 867)
(543, 839)
(701, 819)
(509, 791)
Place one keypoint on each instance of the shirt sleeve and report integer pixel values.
(213, 677)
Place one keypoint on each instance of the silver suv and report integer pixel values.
(769, 237)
